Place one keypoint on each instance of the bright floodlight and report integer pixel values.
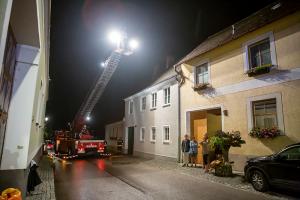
(133, 44)
(115, 37)
(88, 118)
(46, 119)
(103, 64)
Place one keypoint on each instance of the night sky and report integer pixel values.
(164, 28)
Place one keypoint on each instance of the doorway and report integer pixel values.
(130, 140)
(201, 122)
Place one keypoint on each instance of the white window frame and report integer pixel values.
(153, 107)
(208, 70)
(141, 131)
(268, 35)
(164, 96)
(151, 133)
(141, 103)
(163, 136)
(279, 111)
(130, 103)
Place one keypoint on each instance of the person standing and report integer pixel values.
(185, 148)
(193, 150)
(205, 152)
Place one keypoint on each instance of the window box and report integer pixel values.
(259, 70)
(201, 86)
(265, 132)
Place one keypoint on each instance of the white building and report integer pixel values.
(114, 132)
(24, 58)
(151, 119)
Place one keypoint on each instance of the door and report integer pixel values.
(130, 140)
(285, 168)
(6, 83)
(199, 128)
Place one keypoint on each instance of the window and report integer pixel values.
(130, 107)
(166, 132)
(201, 74)
(167, 96)
(153, 100)
(260, 54)
(153, 134)
(265, 114)
(142, 134)
(291, 154)
(143, 103)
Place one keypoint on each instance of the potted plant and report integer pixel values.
(259, 70)
(221, 142)
(265, 132)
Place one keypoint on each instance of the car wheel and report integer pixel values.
(259, 181)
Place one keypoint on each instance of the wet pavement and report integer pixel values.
(91, 179)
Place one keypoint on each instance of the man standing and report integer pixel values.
(185, 148)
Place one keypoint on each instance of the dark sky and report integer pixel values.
(79, 43)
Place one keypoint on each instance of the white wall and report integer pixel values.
(115, 129)
(159, 117)
(18, 129)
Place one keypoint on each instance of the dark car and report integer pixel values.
(281, 170)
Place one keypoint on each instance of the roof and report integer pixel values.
(166, 76)
(257, 20)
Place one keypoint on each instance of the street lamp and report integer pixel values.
(46, 119)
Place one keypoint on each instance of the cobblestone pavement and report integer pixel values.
(237, 181)
(46, 190)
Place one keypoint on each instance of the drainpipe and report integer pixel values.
(180, 79)
(179, 126)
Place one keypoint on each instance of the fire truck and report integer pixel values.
(69, 144)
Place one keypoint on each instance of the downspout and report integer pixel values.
(180, 79)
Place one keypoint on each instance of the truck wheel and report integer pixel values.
(259, 181)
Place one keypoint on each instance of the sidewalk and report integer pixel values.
(46, 190)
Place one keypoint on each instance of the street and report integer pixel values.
(99, 179)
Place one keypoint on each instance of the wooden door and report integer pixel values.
(199, 128)
(130, 140)
(6, 83)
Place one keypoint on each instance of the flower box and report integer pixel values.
(259, 70)
(201, 86)
(265, 132)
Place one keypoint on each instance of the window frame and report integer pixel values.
(164, 96)
(142, 139)
(141, 103)
(206, 61)
(247, 45)
(130, 107)
(153, 107)
(163, 135)
(254, 115)
(279, 110)
(151, 134)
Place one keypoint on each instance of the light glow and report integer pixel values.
(133, 44)
(115, 37)
(46, 119)
(88, 118)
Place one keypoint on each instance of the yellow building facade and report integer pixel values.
(231, 97)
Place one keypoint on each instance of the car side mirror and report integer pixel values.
(280, 157)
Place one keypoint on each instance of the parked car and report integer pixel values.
(281, 170)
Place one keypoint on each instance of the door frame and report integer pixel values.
(201, 108)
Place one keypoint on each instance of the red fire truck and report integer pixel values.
(72, 144)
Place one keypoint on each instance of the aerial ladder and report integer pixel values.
(124, 47)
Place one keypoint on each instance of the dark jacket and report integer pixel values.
(185, 145)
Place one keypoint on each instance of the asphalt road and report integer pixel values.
(96, 179)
